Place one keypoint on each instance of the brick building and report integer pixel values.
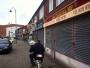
(63, 26)
(5, 29)
(22, 33)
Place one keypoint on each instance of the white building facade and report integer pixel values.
(10, 31)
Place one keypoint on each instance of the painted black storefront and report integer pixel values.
(38, 34)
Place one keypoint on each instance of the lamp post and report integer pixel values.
(15, 14)
(11, 10)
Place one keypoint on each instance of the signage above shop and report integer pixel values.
(82, 9)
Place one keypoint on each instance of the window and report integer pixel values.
(32, 20)
(50, 5)
(35, 19)
(59, 2)
(41, 12)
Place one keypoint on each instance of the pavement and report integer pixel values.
(19, 58)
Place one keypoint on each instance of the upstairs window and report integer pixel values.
(35, 19)
(58, 2)
(41, 12)
(50, 5)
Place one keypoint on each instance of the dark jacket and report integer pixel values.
(38, 48)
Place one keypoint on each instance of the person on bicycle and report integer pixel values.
(36, 48)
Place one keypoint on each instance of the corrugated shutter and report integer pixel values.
(82, 30)
(40, 35)
(59, 37)
(71, 38)
(48, 37)
(34, 36)
(63, 38)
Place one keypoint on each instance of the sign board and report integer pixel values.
(82, 9)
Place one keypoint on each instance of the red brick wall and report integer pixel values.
(2, 30)
(59, 9)
(46, 8)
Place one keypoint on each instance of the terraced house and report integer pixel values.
(63, 26)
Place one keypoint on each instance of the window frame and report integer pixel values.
(58, 2)
(50, 5)
(41, 12)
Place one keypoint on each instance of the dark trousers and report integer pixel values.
(31, 59)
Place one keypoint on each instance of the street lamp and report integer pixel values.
(15, 14)
(11, 10)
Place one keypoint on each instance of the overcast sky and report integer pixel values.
(24, 11)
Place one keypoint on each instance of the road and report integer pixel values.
(19, 58)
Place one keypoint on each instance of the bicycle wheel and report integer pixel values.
(38, 65)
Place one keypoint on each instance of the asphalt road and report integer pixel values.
(18, 58)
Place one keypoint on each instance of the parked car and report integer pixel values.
(5, 45)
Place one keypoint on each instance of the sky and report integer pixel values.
(24, 11)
